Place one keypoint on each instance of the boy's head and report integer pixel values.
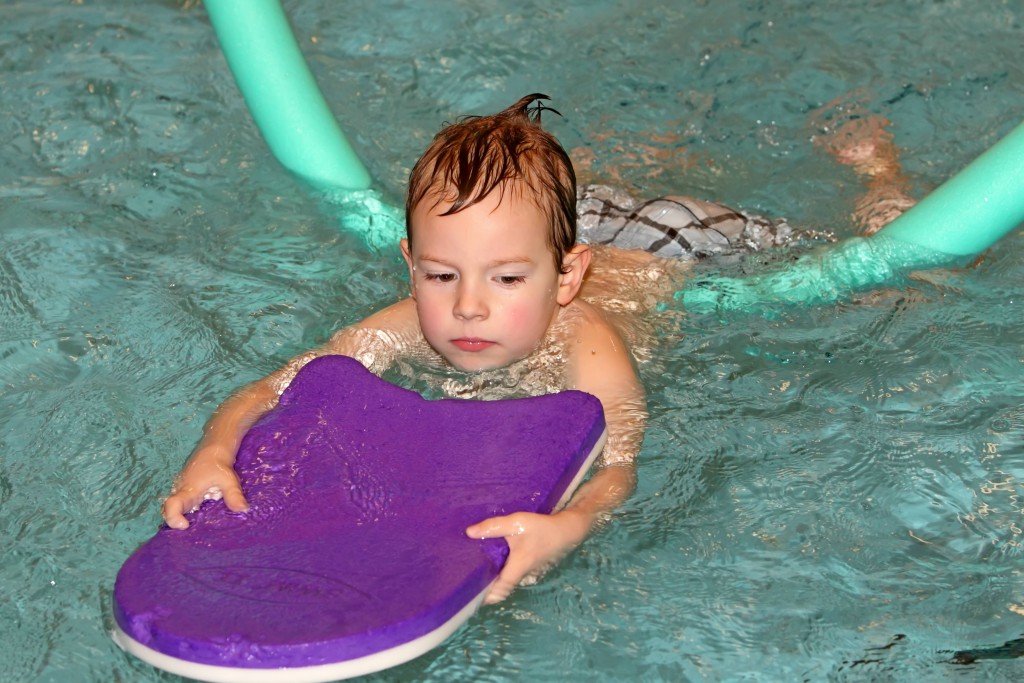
(508, 152)
(491, 247)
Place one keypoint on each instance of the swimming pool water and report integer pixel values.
(834, 493)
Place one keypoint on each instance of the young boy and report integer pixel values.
(499, 291)
(495, 272)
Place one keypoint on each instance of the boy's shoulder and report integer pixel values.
(631, 282)
(397, 316)
(380, 338)
(582, 322)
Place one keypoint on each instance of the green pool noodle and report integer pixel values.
(963, 217)
(283, 97)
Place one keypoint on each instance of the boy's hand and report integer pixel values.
(535, 543)
(203, 478)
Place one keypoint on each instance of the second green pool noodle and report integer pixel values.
(282, 94)
(964, 216)
(974, 208)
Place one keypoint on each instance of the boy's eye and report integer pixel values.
(511, 279)
(440, 277)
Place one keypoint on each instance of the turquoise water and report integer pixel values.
(832, 494)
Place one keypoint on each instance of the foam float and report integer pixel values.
(353, 556)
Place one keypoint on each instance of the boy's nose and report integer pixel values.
(469, 303)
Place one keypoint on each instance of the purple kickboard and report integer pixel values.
(360, 492)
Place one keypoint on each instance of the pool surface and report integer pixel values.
(829, 494)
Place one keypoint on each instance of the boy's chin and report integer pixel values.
(476, 367)
(477, 363)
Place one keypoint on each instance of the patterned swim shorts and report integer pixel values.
(674, 226)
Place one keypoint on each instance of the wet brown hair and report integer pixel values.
(508, 152)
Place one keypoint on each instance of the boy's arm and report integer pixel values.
(600, 365)
(209, 472)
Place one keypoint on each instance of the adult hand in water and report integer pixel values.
(535, 541)
(208, 475)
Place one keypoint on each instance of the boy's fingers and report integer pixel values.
(496, 527)
(499, 591)
(235, 500)
(489, 528)
(174, 508)
(511, 574)
(172, 511)
(514, 569)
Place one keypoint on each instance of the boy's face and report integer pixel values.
(484, 279)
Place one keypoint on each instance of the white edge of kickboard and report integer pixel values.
(317, 673)
(320, 673)
(584, 469)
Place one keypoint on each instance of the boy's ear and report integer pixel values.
(575, 264)
(407, 255)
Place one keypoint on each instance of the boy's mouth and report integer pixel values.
(471, 344)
